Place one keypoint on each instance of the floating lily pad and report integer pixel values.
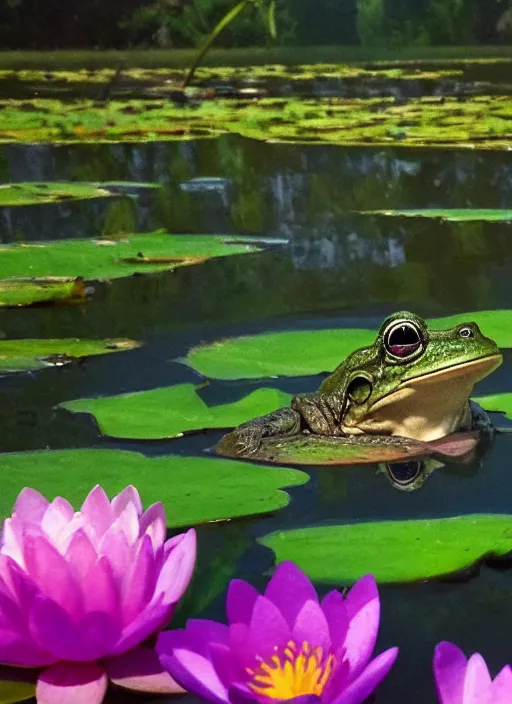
(170, 411)
(394, 551)
(192, 489)
(361, 449)
(108, 259)
(501, 403)
(31, 193)
(480, 122)
(449, 214)
(26, 292)
(306, 352)
(12, 692)
(24, 355)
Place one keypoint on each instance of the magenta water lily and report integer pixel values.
(282, 644)
(81, 592)
(463, 681)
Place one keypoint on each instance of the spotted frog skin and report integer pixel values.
(412, 382)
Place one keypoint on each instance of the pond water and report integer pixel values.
(339, 268)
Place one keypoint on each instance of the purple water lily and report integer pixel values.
(463, 681)
(282, 645)
(81, 591)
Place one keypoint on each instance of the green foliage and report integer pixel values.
(192, 489)
(170, 411)
(116, 258)
(11, 692)
(393, 551)
(22, 355)
(370, 22)
(180, 23)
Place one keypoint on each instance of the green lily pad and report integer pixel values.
(449, 214)
(306, 352)
(501, 403)
(362, 449)
(192, 489)
(170, 411)
(393, 551)
(26, 292)
(32, 193)
(12, 692)
(25, 355)
(480, 122)
(108, 259)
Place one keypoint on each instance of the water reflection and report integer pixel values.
(336, 259)
(411, 475)
(339, 269)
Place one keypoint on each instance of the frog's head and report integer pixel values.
(413, 381)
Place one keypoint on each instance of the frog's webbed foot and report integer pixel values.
(246, 439)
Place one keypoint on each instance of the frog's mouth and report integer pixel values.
(428, 406)
(475, 370)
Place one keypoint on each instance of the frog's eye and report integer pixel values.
(466, 333)
(403, 474)
(403, 339)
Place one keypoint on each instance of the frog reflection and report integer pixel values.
(411, 474)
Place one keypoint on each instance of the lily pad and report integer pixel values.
(449, 214)
(307, 352)
(394, 551)
(32, 193)
(480, 122)
(11, 692)
(26, 292)
(109, 258)
(362, 449)
(501, 403)
(25, 355)
(192, 489)
(170, 411)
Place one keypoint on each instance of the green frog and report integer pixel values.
(413, 382)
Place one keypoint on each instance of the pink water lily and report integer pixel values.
(81, 592)
(463, 681)
(283, 644)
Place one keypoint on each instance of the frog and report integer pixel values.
(412, 382)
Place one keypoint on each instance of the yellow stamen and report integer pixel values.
(293, 674)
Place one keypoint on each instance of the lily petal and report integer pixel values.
(30, 506)
(72, 683)
(363, 609)
(195, 673)
(140, 670)
(477, 683)
(240, 601)
(370, 677)
(501, 689)
(289, 589)
(449, 672)
(130, 495)
(177, 570)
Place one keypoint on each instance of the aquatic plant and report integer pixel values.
(267, 12)
(282, 644)
(463, 681)
(81, 591)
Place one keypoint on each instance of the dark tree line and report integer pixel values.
(53, 24)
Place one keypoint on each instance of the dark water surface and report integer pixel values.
(339, 269)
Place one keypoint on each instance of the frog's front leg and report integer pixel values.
(246, 439)
(480, 421)
(318, 414)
